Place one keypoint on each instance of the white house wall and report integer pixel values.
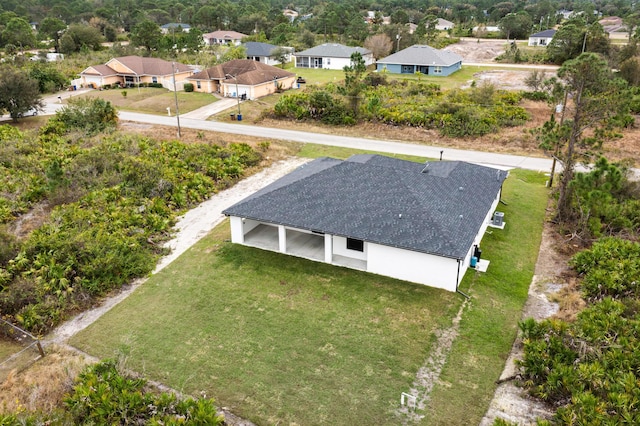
(340, 248)
(421, 268)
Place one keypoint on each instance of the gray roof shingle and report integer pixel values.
(436, 209)
(545, 33)
(333, 50)
(421, 54)
(255, 48)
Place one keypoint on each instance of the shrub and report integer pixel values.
(121, 199)
(610, 268)
(103, 395)
(92, 115)
(535, 96)
(188, 87)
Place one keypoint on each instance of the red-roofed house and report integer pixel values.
(132, 70)
(254, 79)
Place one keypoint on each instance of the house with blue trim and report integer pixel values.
(421, 58)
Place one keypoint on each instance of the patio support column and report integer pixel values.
(328, 248)
(282, 239)
(237, 230)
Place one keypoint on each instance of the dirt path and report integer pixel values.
(191, 227)
(428, 375)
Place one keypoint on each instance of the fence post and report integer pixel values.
(40, 348)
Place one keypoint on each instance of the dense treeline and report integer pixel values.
(114, 200)
(330, 19)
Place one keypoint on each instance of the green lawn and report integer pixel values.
(153, 100)
(281, 340)
(274, 338)
(489, 325)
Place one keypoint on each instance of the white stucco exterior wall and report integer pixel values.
(422, 268)
(340, 248)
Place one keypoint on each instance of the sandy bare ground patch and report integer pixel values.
(190, 228)
(473, 51)
(502, 79)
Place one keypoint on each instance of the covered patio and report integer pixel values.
(308, 245)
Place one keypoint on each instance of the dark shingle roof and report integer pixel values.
(545, 33)
(255, 48)
(436, 209)
(333, 50)
(421, 54)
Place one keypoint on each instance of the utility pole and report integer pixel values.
(235, 78)
(175, 96)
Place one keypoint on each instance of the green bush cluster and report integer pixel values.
(605, 202)
(103, 395)
(91, 115)
(456, 113)
(324, 105)
(188, 87)
(117, 201)
(589, 368)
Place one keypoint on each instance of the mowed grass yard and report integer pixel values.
(281, 340)
(153, 100)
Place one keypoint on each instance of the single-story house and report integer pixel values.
(543, 38)
(175, 27)
(132, 70)
(421, 58)
(264, 52)
(416, 222)
(223, 37)
(331, 56)
(444, 25)
(243, 77)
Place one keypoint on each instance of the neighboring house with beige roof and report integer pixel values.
(254, 79)
(132, 70)
(223, 37)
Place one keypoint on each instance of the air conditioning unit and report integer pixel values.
(498, 219)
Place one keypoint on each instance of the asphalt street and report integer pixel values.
(391, 147)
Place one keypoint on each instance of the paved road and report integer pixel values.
(393, 147)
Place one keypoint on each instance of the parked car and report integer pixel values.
(30, 113)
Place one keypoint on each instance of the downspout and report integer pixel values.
(458, 281)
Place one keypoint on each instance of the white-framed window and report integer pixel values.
(198, 85)
(154, 79)
(437, 70)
